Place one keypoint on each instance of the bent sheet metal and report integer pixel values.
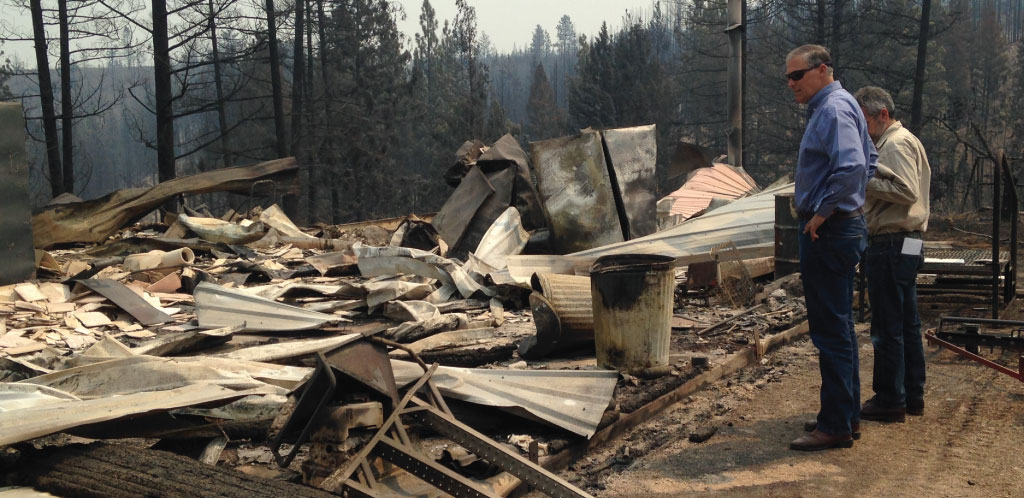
(574, 400)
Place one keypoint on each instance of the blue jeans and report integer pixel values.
(827, 268)
(895, 325)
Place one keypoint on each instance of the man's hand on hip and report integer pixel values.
(812, 226)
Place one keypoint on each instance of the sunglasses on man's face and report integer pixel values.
(799, 73)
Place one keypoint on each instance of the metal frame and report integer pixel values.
(740, 291)
(392, 444)
(1002, 183)
(311, 404)
(939, 336)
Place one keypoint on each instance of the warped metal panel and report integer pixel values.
(574, 400)
(576, 190)
(502, 182)
(16, 244)
(142, 373)
(749, 221)
(505, 237)
(288, 349)
(458, 211)
(524, 194)
(30, 423)
(387, 261)
(634, 153)
(127, 300)
(218, 306)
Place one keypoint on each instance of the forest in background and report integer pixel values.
(139, 92)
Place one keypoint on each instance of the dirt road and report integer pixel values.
(968, 443)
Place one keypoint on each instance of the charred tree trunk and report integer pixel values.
(313, 166)
(916, 106)
(218, 83)
(837, 28)
(162, 84)
(46, 99)
(323, 36)
(298, 72)
(308, 80)
(67, 142)
(819, 32)
(275, 81)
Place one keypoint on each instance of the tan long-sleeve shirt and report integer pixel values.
(897, 196)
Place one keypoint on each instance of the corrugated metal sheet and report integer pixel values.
(704, 184)
(388, 261)
(33, 422)
(570, 298)
(218, 306)
(574, 400)
(506, 236)
(746, 222)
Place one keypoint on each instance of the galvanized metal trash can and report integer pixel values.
(632, 297)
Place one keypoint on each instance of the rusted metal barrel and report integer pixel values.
(632, 300)
(787, 236)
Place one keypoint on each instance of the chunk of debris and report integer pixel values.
(214, 230)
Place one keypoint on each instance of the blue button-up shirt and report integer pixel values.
(837, 157)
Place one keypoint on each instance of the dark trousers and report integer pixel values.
(899, 369)
(827, 268)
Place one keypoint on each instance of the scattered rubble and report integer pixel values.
(287, 353)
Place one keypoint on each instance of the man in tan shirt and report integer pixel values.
(897, 213)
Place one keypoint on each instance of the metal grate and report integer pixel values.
(734, 278)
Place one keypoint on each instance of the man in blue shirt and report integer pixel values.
(837, 157)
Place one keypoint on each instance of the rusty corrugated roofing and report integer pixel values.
(704, 184)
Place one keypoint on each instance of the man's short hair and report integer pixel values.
(873, 99)
(815, 55)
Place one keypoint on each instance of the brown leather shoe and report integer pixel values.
(872, 410)
(812, 425)
(817, 440)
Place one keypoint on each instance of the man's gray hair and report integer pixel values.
(814, 55)
(873, 99)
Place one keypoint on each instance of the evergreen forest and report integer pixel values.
(126, 93)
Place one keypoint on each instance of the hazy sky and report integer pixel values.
(508, 23)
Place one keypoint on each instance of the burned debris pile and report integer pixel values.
(541, 310)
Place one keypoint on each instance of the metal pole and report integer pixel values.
(736, 28)
(997, 174)
(1010, 285)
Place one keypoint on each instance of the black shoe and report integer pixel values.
(915, 406)
(812, 425)
(872, 410)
